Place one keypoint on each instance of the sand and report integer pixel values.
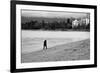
(79, 50)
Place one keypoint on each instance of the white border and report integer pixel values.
(20, 65)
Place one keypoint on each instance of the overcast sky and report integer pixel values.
(52, 14)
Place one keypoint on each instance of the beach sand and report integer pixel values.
(79, 50)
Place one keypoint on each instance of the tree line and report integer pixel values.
(54, 25)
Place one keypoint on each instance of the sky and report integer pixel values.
(52, 14)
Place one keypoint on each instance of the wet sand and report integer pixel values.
(79, 50)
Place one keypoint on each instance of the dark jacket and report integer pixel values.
(45, 43)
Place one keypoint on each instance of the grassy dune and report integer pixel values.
(73, 51)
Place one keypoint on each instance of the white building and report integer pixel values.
(75, 23)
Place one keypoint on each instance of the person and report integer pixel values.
(45, 45)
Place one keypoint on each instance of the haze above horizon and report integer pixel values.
(52, 14)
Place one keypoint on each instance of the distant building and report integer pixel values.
(85, 21)
(75, 23)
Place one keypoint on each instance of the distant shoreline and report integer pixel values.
(56, 30)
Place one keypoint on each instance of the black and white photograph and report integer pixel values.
(54, 36)
(50, 36)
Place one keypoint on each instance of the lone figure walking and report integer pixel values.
(45, 45)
